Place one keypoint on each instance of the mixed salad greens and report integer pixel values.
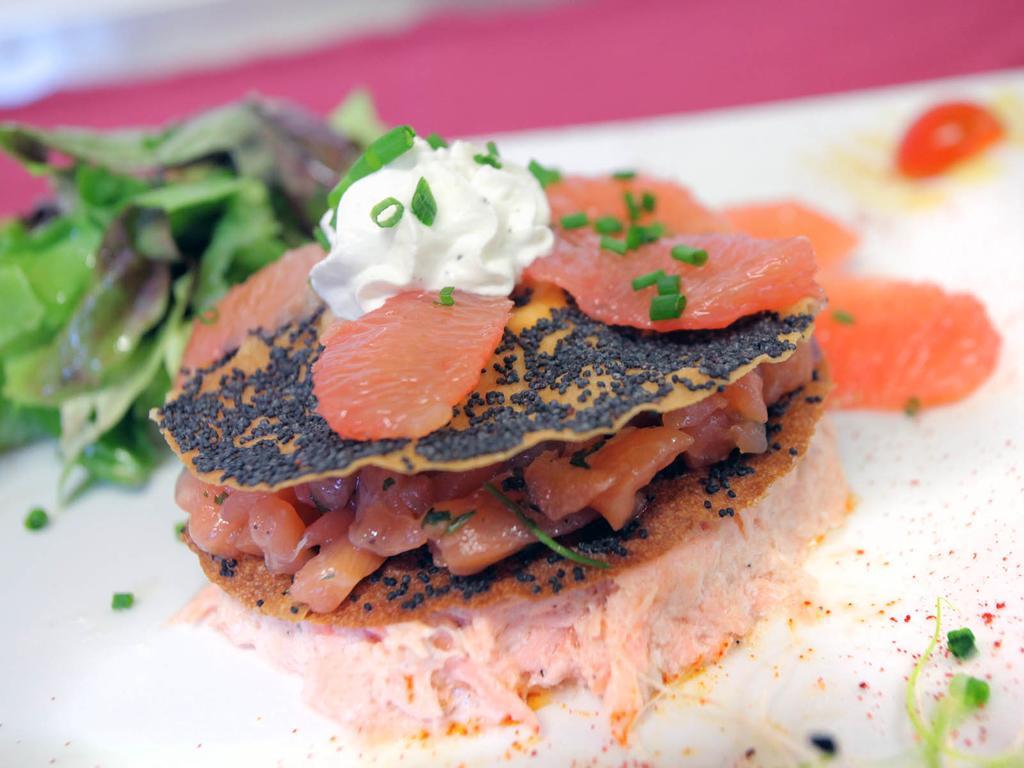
(146, 231)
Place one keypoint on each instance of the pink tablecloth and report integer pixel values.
(582, 62)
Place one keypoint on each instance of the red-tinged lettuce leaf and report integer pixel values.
(295, 154)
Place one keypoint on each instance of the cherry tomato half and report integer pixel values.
(944, 135)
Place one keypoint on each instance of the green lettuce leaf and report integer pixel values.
(85, 418)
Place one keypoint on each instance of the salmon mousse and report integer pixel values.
(506, 432)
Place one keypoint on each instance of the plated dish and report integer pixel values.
(519, 525)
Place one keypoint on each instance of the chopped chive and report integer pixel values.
(122, 601)
(646, 281)
(842, 317)
(460, 521)
(961, 643)
(667, 284)
(631, 206)
(638, 235)
(544, 176)
(321, 238)
(436, 516)
(624, 175)
(388, 482)
(696, 257)
(912, 406)
(436, 142)
(445, 298)
(388, 147)
(390, 220)
(490, 160)
(424, 206)
(539, 534)
(179, 530)
(667, 307)
(972, 691)
(647, 201)
(574, 220)
(209, 317)
(36, 519)
(607, 225)
(611, 244)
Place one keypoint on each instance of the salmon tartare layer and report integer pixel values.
(476, 666)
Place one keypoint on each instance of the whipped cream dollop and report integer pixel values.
(491, 223)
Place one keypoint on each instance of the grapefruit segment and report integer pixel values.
(674, 206)
(890, 343)
(268, 299)
(832, 241)
(396, 372)
(742, 276)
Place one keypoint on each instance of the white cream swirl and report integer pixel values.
(491, 223)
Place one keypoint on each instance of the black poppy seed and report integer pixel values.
(367, 607)
(731, 493)
(259, 603)
(578, 573)
(536, 589)
(707, 503)
(793, 452)
(294, 609)
(390, 581)
(262, 426)
(726, 512)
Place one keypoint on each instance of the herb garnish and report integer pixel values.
(624, 175)
(648, 201)
(388, 203)
(842, 317)
(424, 206)
(544, 176)
(667, 307)
(574, 220)
(638, 235)
(607, 225)
(122, 601)
(647, 280)
(964, 696)
(631, 206)
(209, 317)
(961, 643)
(439, 516)
(220, 498)
(460, 521)
(388, 147)
(667, 284)
(614, 245)
(179, 530)
(435, 141)
(912, 406)
(36, 519)
(445, 298)
(539, 534)
(696, 257)
(491, 158)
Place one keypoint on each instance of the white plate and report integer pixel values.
(939, 515)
